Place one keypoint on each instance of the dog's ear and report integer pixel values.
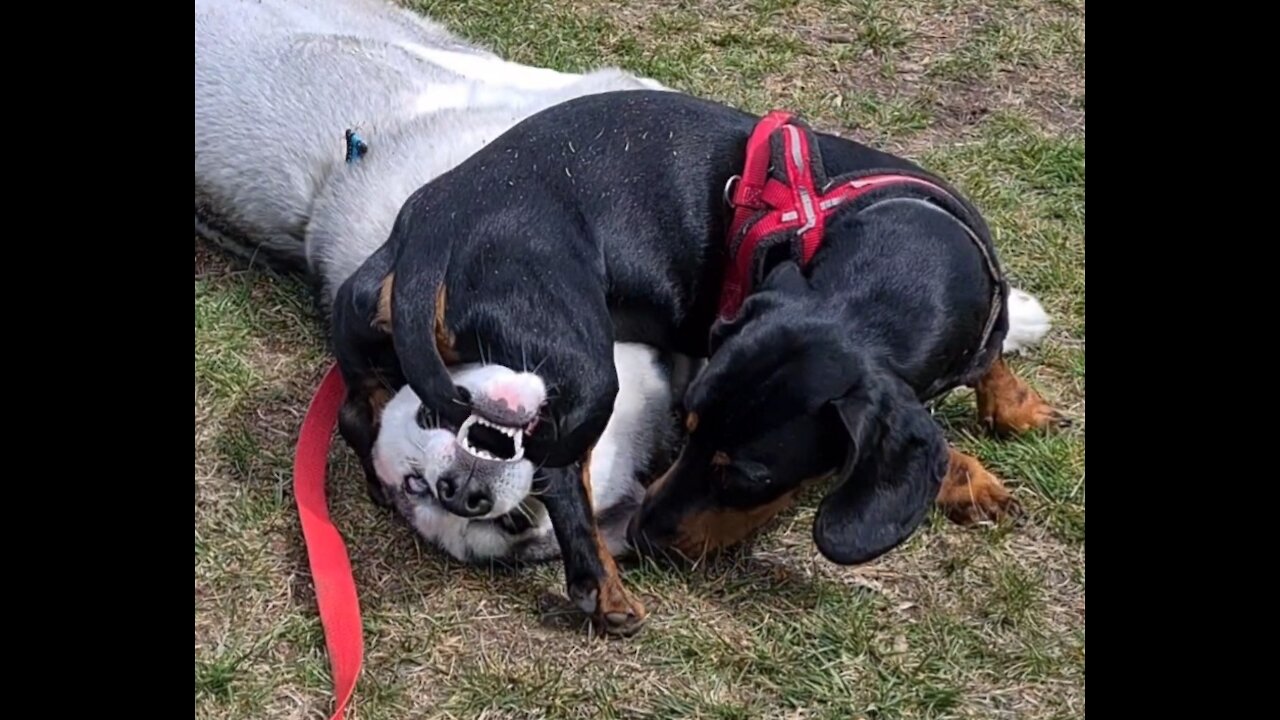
(784, 283)
(891, 475)
(416, 300)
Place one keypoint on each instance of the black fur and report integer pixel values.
(602, 219)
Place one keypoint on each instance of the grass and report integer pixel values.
(977, 623)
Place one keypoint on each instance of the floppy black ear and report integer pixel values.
(891, 476)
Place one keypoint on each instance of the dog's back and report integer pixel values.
(278, 83)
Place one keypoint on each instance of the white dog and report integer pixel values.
(413, 458)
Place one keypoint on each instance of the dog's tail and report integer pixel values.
(1028, 322)
(283, 254)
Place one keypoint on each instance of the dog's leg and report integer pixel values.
(358, 423)
(1007, 404)
(971, 494)
(591, 575)
(362, 344)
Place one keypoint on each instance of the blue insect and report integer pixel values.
(356, 146)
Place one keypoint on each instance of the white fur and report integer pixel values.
(404, 449)
(277, 84)
(1028, 322)
(493, 70)
(631, 440)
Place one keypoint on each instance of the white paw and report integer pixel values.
(1028, 322)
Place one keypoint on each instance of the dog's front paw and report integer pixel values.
(971, 494)
(1008, 405)
(611, 606)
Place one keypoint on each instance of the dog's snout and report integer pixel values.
(462, 498)
(447, 486)
(478, 503)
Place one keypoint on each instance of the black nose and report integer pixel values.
(461, 499)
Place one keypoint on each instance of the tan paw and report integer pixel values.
(619, 613)
(971, 494)
(1006, 404)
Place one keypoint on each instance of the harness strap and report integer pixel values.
(783, 196)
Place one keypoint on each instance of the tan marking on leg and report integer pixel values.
(382, 318)
(617, 611)
(445, 340)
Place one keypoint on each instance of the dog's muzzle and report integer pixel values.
(488, 440)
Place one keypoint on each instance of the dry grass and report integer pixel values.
(983, 623)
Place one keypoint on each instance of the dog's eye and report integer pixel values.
(416, 485)
(463, 393)
(426, 418)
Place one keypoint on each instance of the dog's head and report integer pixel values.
(475, 469)
(788, 397)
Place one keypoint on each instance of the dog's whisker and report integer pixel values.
(539, 366)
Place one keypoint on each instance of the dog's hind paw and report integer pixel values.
(1008, 405)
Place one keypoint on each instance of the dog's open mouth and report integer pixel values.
(491, 441)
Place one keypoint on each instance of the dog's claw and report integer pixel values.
(623, 623)
(613, 609)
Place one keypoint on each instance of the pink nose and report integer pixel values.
(506, 395)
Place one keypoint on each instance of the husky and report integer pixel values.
(415, 459)
(314, 121)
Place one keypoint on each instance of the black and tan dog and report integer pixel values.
(834, 287)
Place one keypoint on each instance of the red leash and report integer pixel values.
(330, 566)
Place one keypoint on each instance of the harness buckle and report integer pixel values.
(730, 186)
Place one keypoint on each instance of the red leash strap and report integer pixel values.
(330, 566)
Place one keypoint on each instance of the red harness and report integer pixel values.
(785, 203)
